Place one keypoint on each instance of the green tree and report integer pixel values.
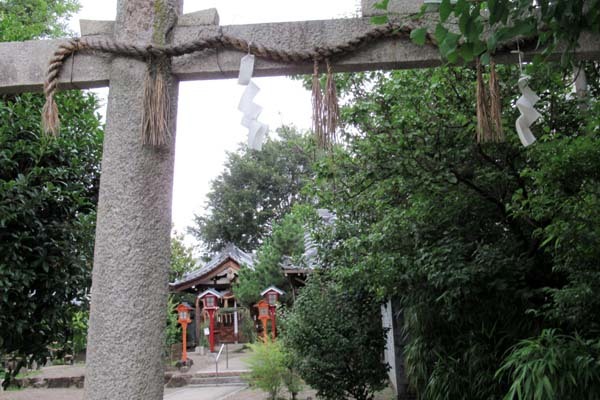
(256, 189)
(468, 29)
(335, 336)
(485, 245)
(26, 20)
(182, 260)
(48, 195)
(285, 242)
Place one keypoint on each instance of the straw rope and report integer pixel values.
(50, 118)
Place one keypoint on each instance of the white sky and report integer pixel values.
(208, 122)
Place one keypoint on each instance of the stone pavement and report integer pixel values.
(187, 393)
(232, 363)
(202, 365)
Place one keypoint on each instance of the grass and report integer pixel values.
(28, 374)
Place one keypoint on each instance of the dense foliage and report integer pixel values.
(48, 195)
(285, 244)
(484, 245)
(26, 20)
(468, 29)
(256, 189)
(182, 259)
(270, 371)
(336, 339)
(553, 366)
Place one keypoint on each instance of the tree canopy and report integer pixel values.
(468, 29)
(256, 189)
(485, 245)
(286, 242)
(48, 195)
(182, 259)
(335, 339)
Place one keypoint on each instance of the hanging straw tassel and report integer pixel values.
(331, 109)
(483, 120)
(495, 105)
(50, 118)
(156, 112)
(317, 104)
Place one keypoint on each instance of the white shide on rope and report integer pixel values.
(257, 131)
(528, 114)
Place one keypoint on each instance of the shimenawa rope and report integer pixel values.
(156, 127)
(158, 133)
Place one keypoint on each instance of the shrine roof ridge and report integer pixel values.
(230, 251)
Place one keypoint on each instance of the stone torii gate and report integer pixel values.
(131, 259)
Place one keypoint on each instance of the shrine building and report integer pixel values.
(218, 276)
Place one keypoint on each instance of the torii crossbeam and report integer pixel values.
(131, 259)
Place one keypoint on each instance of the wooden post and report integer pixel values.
(184, 341)
(235, 321)
(273, 323)
(264, 324)
(211, 337)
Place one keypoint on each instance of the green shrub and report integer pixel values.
(80, 328)
(247, 327)
(267, 367)
(172, 329)
(202, 338)
(553, 366)
(337, 338)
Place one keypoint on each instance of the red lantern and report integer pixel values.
(263, 315)
(183, 317)
(271, 297)
(211, 305)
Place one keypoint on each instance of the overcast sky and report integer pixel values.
(208, 120)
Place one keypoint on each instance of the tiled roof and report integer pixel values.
(230, 251)
(310, 257)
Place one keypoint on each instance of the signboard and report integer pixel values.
(209, 301)
(272, 298)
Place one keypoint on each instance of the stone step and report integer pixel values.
(209, 374)
(217, 381)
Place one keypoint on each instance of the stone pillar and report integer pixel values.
(235, 321)
(131, 257)
(198, 319)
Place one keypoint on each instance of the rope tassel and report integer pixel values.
(325, 107)
(495, 105)
(50, 118)
(317, 106)
(331, 109)
(489, 107)
(483, 121)
(156, 111)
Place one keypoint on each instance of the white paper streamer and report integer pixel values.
(257, 134)
(257, 131)
(246, 69)
(528, 114)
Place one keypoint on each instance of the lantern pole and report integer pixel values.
(273, 324)
(184, 341)
(211, 337)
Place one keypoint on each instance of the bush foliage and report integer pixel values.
(336, 338)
